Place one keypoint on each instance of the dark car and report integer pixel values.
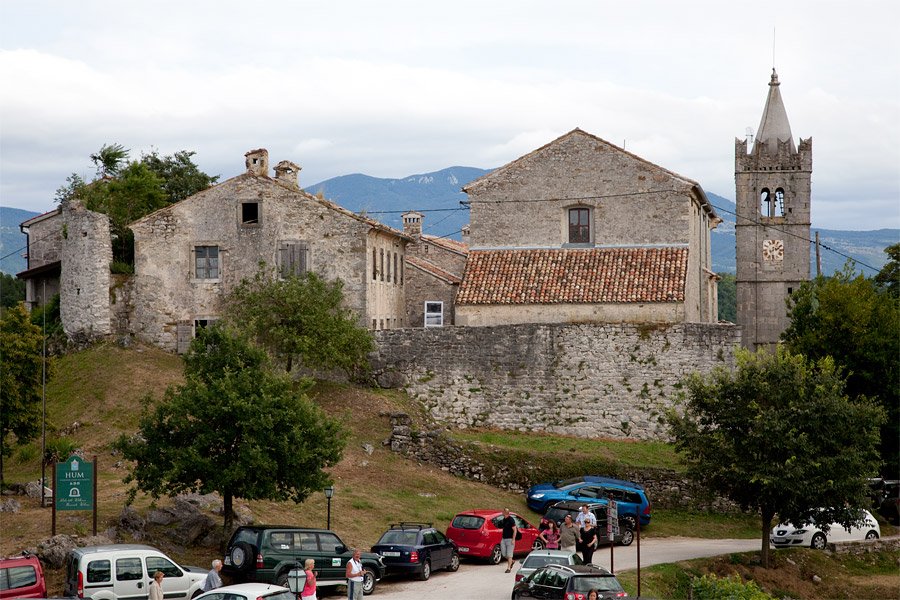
(416, 548)
(558, 512)
(886, 499)
(572, 582)
(630, 496)
(265, 554)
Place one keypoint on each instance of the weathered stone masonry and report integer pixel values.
(589, 380)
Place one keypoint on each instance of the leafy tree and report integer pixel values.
(12, 290)
(20, 380)
(300, 318)
(109, 159)
(728, 298)
(234, 428)
(848, 317)
(889, 276)
(181, 177)
(779, 435)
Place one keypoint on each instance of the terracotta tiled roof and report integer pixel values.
(433, 269)
(574, 276)
(453, 245)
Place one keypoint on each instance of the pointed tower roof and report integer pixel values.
(774, 126)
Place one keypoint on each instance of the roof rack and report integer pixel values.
(411, 525)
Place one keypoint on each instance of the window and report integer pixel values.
(579, 226)
(374, 265)
(389, 266)
(396, 276)
(17, 577)
(98, 571)
(328, 542)
(129, 569)
(779, 202)
(434, 314)
(202, 324)
(168, 568)
(381, 263)
(294, 257)
(765, 203)
(206, 262)
(249, 213)
(430, 538)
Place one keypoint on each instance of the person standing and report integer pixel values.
(568, 535)
(156, 592)
(355, 576)
(213, 580)
(508, 541)
(309, 590)
(588, 542)
(585, 516)
(551, 536)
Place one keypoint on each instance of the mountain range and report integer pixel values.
(438, 195)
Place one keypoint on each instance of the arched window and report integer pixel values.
(779, 202)
(579, 226)
(765, 203)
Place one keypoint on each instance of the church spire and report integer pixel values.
(774, 126)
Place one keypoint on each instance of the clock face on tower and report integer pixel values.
(773, 250)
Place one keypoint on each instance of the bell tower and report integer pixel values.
(772, 193)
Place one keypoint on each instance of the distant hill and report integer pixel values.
(12, 240)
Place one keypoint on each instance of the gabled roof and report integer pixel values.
(774, 125)
(41, 217)
(432, 269)
(574, 276)
(447, 244)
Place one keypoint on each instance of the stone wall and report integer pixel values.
(588, 380)
(84, 280)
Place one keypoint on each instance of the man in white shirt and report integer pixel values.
(585, 516)
(355, 575)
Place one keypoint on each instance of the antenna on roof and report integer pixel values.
(773, 47)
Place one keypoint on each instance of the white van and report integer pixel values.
(124, 572)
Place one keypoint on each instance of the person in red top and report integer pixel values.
(309, 590)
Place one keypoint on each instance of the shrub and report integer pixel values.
(710, 587)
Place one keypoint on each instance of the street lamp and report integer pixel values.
(329, 492)
(296, 579)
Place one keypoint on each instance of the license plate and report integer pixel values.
(389, 553)
(228, 560)
(462, 549)
(779, 540)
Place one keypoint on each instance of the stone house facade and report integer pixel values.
(44, 235)
(434, 269)
(581, 230)
(190, 255)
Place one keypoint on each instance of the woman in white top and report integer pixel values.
(355, 576)
(156, 592)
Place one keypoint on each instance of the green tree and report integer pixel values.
(848, 317)
(233, 427)
(728, 298)
(20, 380)
(889, 276)
(300, 318)
(181, 177)
(109, 159)
(12, 290)
(778, 435)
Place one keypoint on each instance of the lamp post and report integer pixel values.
(296, 579)
(329, 492)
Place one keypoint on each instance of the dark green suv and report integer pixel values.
(265, 554)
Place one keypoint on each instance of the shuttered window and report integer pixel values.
(206, 262)
(294, 258)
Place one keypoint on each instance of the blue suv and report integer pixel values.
(629, 496)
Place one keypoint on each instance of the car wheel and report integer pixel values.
(627, 537)
(538, 544)
(631, 520)
(454, 563)
(426, 571)
(242, 556)
(818, 542)
(496, 555)
(368, 580)
(872, 535)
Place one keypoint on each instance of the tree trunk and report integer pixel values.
(229, 513)
(767, 515)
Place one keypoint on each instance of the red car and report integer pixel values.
(22, 577)
(477, 533)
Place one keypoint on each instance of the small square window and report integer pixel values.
(434, 314)
(250, 213)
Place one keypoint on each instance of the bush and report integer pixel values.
(710, 587)
(59, 450)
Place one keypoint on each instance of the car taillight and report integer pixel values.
(259, 562)
(621, 594)
(647, 509)
(80, 585)
(575, 596)
(414, 556)
(518, 578)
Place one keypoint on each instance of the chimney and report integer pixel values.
(257, 162)
(465, 234)
(412, 223)
(288, 173)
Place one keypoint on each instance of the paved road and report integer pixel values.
(478, 581)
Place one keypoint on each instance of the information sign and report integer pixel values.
(74, 484)
(612, 518)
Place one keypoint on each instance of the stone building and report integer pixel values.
(434, 269)
(581, 230)
(190, 255)
(772, 191)
(43, 250)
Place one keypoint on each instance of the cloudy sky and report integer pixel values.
(393, 88)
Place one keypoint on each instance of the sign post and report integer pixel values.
(75, 487)
(612, 529)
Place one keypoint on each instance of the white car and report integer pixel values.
(248, 591)
(785, 535)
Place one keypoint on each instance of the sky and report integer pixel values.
(396, 88)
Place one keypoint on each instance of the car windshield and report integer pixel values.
(558, 513)
(586, 583)
(538, 561)
(285, 595)
(467, 522)
(564, 484)
(398, 536)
